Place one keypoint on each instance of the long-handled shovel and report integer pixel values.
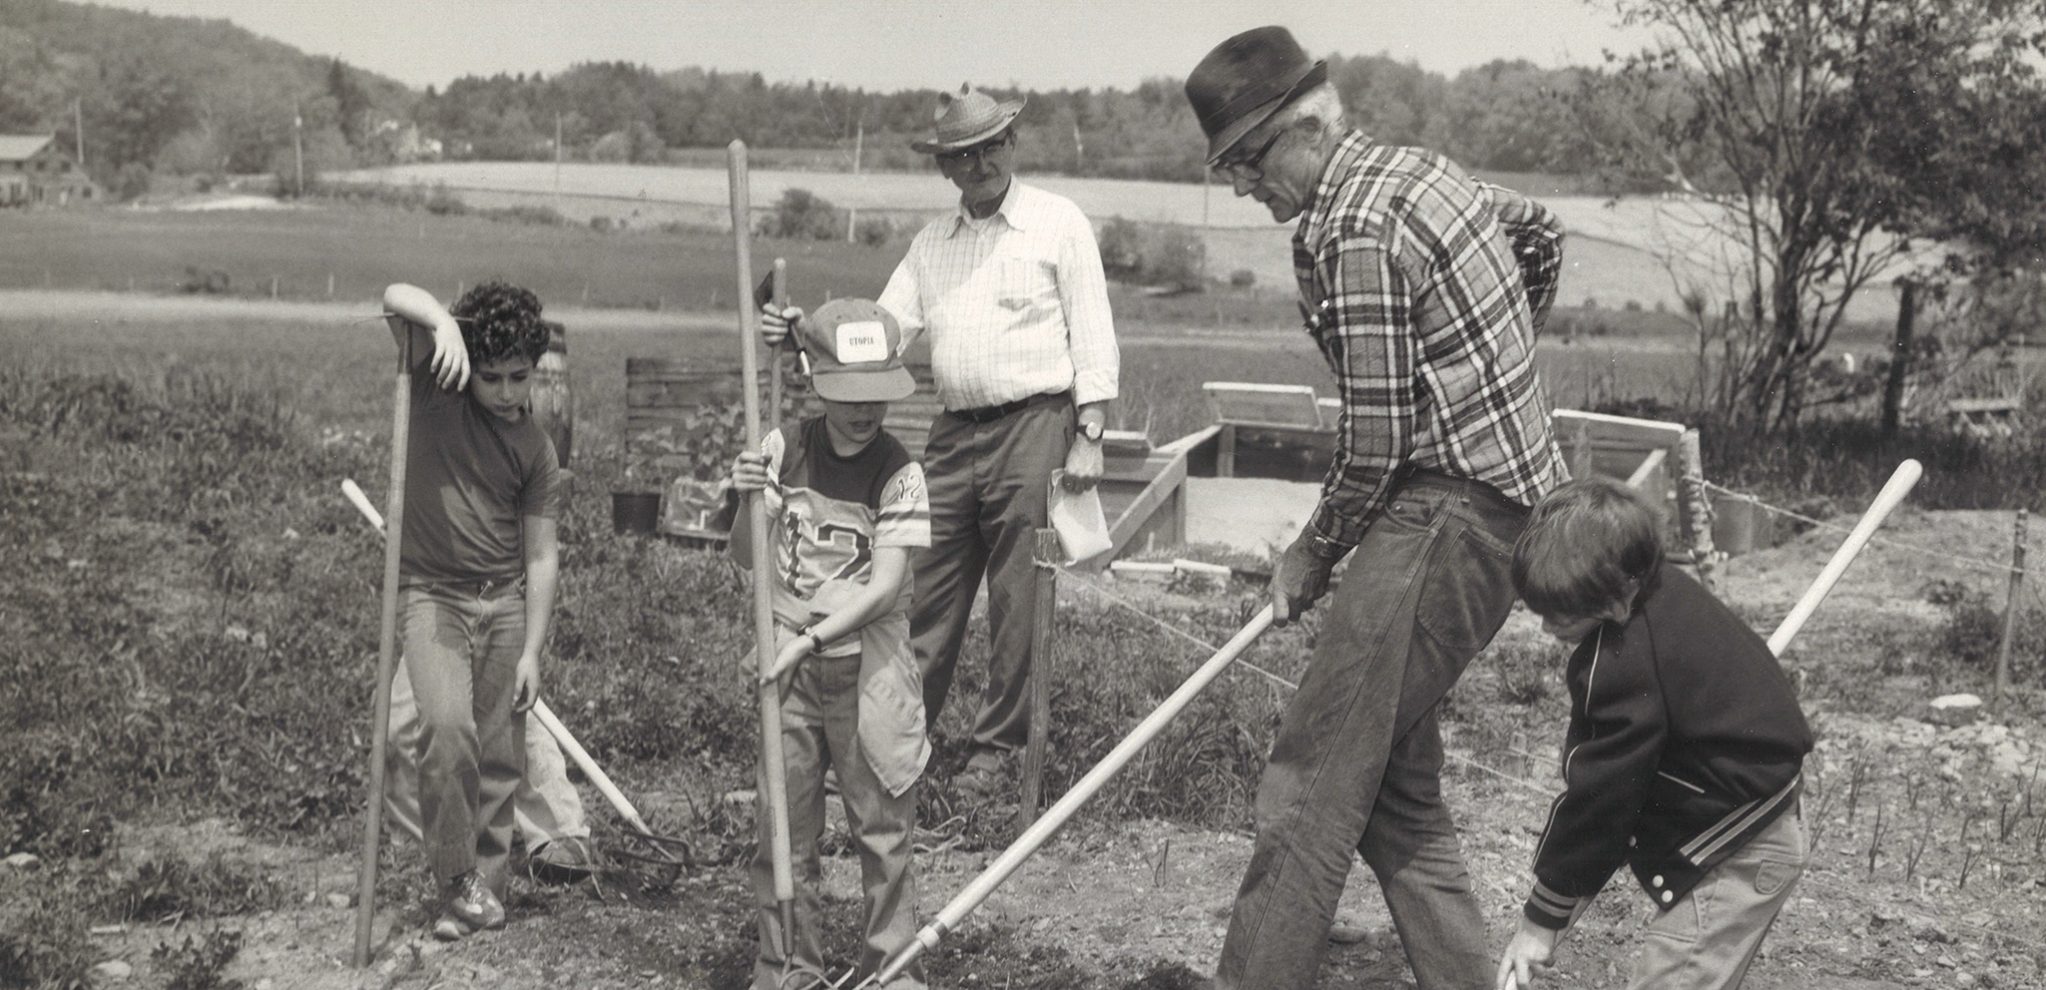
(1886, 501)
(1900, 484)
(1056, 816)
(387, 653)
(562, 737)
(773, 770)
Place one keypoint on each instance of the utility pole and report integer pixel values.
(557, 161)
(298, 145)
(852, 213)
(78, 127)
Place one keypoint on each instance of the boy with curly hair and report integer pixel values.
(1683, 755)
(477, 572)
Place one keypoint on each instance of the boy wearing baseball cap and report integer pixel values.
(846, 504)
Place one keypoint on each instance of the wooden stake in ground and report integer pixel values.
(1049, 554)
(1694, 508)
(773, 770)
(387, 650)
(2010, 616)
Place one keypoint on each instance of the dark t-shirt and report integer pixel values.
(469, 479)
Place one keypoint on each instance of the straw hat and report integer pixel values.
(966, 118)
(1247, 79)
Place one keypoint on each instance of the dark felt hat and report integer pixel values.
(966, 118)
(1247, 79)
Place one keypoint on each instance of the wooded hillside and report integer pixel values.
(179, 95)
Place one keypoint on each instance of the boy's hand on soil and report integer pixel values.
(749, 471)
(527, 683)
(1529, 953)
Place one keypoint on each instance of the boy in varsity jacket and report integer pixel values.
(1683, 754)
(846, 505)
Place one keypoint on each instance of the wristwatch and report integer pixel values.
(1092, 431)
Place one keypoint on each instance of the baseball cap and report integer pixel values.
(854, 347)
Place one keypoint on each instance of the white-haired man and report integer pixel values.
(1409, 285)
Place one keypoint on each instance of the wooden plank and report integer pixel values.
(1603, 428)
(1191, 440)
(1123, 527)
(1647, 468)
(1257, 404)
(2008, 404)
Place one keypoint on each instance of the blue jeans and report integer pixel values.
(1357, 762)
(462, 642)
(545, 807)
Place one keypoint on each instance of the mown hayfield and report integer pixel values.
(1617, 252)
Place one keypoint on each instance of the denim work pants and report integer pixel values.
(989, 495)
(819, 729)
(1356, 765)
(545, 807)
(1707, 940)
(462, 642)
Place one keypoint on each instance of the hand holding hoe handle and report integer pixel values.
(773, 770)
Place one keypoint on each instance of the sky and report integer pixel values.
(898, 44)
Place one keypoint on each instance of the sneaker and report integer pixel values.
(562, 861)
(471, 907)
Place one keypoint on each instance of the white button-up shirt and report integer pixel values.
(1015, 304)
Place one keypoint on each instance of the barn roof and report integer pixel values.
(21, 147)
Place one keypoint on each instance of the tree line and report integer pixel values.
(173, 95)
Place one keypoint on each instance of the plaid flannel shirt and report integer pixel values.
(1537, 238)
(1409, 285)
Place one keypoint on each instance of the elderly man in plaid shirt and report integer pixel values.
(1416, 282)
(1011, 292)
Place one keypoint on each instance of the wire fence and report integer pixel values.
(1535, 789)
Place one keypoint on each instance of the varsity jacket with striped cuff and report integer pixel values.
(1685, 739)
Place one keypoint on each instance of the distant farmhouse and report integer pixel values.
(36, 171)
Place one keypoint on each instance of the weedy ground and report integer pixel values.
(191, 613)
